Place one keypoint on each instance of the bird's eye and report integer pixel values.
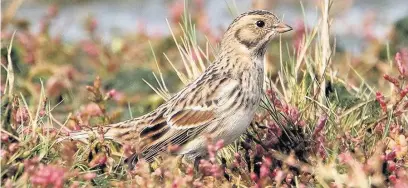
(260, 23)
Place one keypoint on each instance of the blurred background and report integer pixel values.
(68, 65)
(62, 45)
(355, 20)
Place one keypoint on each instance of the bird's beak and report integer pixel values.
(282, 28)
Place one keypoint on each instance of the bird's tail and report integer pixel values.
(110, 132)
(82, 135)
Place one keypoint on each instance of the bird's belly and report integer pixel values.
(236, 125)
(233, 127)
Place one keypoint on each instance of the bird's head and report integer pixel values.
(253, 30)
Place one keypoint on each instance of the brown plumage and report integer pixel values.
(220, 103)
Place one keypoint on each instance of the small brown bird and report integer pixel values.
(220, 103)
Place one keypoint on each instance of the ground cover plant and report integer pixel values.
(327, 119)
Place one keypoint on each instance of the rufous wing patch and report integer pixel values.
(189, 118)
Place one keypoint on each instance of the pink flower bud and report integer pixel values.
(13, 147)
(345, 157)
(320, 124)
(92, 24)
(41, 113)
(219, 145)
(4, 137)
(111, 93)
(21, 115)
(380, 99)
(391, 166)
(404, 92)
(390, 156)
(279, 176)
(89, 176)
(237, 157)
(52, 10)
(289, 178)
(264, 171)
(3, 153)
(401, 65)
(267, 161)
(392, 178)
(392, 80)
(254, 177)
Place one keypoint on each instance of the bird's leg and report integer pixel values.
(224, 166)
(197, 164)
(131, 161)
(197, 173)
(179, 163)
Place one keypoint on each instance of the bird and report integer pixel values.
(220, 103)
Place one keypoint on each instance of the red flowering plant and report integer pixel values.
(315, 127)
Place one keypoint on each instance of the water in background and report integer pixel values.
(116, 18)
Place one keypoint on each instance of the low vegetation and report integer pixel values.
(328, 119)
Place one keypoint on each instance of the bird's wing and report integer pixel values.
(191, 111)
